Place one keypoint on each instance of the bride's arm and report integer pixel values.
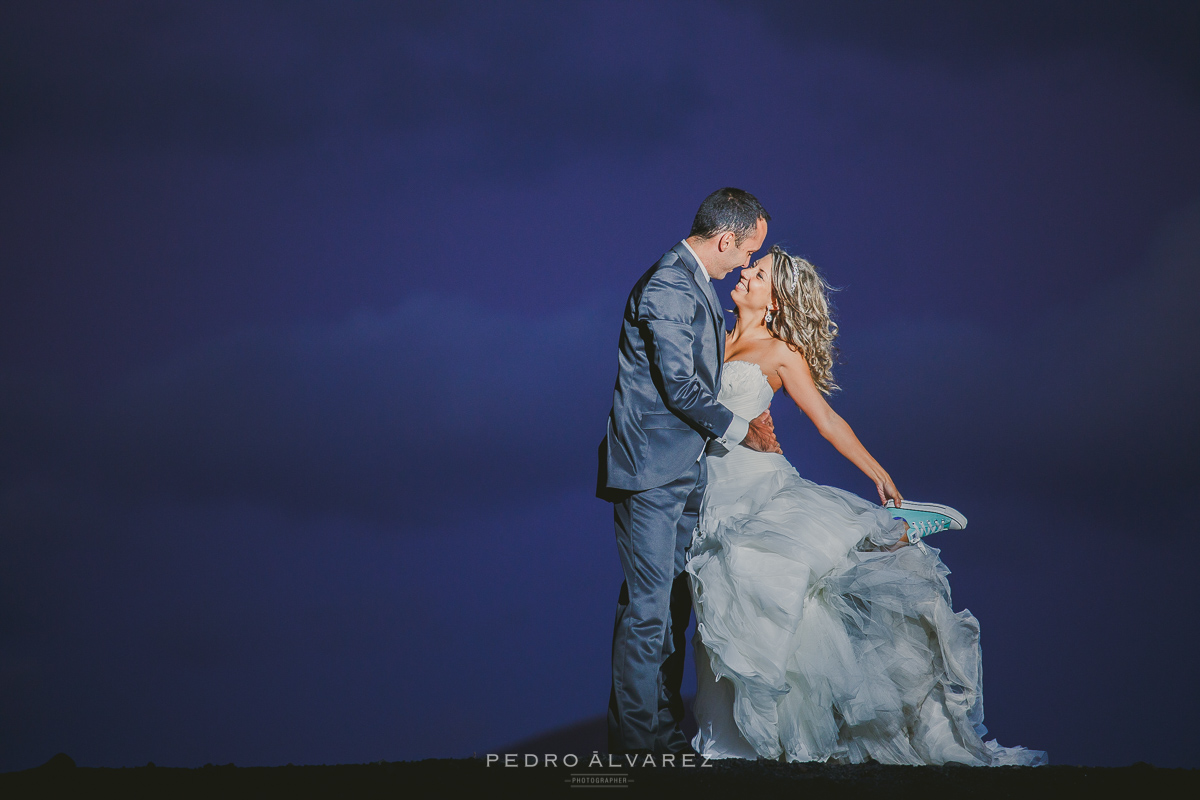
(798, 383)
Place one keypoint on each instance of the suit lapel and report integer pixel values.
(718, 316)
(710, 297)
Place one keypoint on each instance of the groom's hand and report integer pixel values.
(761, 436)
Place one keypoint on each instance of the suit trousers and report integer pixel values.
(654, 529)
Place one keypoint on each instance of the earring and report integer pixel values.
(768, 318)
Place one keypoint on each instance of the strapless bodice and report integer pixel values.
(744, 389)
(746, 392)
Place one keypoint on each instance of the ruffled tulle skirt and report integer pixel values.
(816, 643)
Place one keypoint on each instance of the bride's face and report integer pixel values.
(753, 290)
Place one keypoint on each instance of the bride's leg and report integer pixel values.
(903, 540)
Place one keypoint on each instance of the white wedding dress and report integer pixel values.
(812, 642)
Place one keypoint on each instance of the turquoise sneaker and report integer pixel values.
(926, 518)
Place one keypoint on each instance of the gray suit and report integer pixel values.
(664, 410)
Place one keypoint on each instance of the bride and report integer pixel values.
(824, 626)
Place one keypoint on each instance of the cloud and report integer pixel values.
(1093, 402)
(974, 36)
(443, 406)
(243, 77)
(436, 409)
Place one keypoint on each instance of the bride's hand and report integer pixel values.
(761, 435)
(888, 491)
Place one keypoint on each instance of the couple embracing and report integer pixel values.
(824, 626)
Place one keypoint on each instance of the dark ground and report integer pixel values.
(475, 778)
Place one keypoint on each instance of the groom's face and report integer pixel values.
(737, 256)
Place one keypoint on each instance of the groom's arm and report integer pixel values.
(665, 314)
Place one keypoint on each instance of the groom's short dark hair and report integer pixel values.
(729, 209)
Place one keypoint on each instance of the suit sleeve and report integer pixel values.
(665, 314)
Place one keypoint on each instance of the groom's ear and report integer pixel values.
(725, 241)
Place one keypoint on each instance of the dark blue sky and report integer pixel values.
(308, 319)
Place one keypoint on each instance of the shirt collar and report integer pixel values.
(707, 277)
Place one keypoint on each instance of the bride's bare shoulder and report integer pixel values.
(772, 356)
(782, 354)
(785, 360)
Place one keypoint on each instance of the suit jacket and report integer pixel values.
(668, 373)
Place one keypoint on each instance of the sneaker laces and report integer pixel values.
(919, 530)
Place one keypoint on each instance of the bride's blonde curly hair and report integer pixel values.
(803, 320)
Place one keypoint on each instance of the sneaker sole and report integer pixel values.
(958, 520)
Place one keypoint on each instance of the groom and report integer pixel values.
(652, 468)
